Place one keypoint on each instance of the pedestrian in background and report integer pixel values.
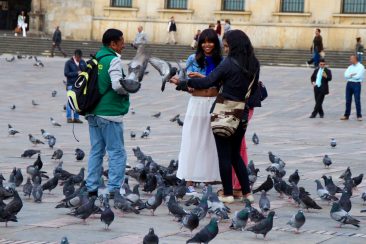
(195, 39)
(359, 49)
(140, 38)
(319, 79)
(227, 26)
(56, 42)
(172, 30)
(73, 67)
(354, 75)
(218, 28)
(21, 24)
(316, 49)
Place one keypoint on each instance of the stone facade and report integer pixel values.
(261, 20)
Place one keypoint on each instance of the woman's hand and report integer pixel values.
(195, 75)
(174, 80)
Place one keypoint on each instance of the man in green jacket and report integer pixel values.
(105, 121)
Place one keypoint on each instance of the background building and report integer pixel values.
(269, 23)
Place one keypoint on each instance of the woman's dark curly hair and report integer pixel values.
(241, 49)
(208, 35)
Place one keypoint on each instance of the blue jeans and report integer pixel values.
(105, 136)
(360, 57)
(69, 110)
(315, 59)
(353, 88)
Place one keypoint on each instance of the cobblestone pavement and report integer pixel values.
(282, 125)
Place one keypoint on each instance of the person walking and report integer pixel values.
(56, 42)
(195, 39)
(172, 30)
(218, 28)
(73, 67)
(234, 74)
(140, 38)
(198, 160)
(320, 79)
(354, 75)
(21, 24)
(359, 49)
(105, 121)
(316, 49)
(227, 26)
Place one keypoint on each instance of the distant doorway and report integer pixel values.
(9, 11)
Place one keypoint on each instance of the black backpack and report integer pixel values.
(84, 95)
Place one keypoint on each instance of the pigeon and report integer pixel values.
(79, 154)
(11, 130)
(84, 211)
(15, 205)
(174, 118)
(45, 134)
(68, 188)
(137, 66)
(151, 237)
(174, 208)
(146, 132)
(133, 134)
(79, 177)
(51, 183)
(264, 203)
(37, 191)
(153, 202)
(264, 226)
(10, 60)
(297, 220)
(347, 174)
(295, 178)
(51, 141)
(323, 193)
(190, 221)
(34, 103)
(193, 200)
(202, 208)
(295, 193)
(206, 234)
(240, 219)
(363, 196)
(341, 216)
(180, 122)
(121, 203)
(266, 185)
(330, 186)
(357, 180)
(64, 240)
(306, 201)
(132, 111)
(255, 139)
(18, 177)
(157, 115)
(333, 143)
(29, 153)
(107, 216)
(345, 201)
(327, 161)
(27, 188)
(53, 93)
(57, 154)
(54, 123)
(34, 140)
(38, 162)
(165, 70)
(13, 107)
(38, 62)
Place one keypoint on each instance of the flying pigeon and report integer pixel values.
(165, 69)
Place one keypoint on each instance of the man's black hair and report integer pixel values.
(111, 35)
(78, 52)
(321, 60)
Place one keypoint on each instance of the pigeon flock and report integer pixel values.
(202, 214)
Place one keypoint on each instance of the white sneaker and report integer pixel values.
(190, 191)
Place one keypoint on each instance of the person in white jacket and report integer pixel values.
(172, 30)
(22, 24)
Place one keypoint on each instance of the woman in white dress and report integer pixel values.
(22, 24)
(198, 160)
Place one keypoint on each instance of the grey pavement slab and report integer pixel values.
(282, 125)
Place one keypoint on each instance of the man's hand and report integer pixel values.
(195, 75)
(324, 75)
(353, 74)
(174, 80)
(313, 83)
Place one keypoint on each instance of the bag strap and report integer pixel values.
(100, 58)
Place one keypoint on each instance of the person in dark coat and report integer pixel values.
(319, 79)
(72, 69)
(316, 49)
(56, 42)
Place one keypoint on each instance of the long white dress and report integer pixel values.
(198, 160)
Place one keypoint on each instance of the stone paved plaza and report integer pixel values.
(282, 125)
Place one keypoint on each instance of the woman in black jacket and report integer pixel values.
(234, 74)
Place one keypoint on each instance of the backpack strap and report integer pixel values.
(100, 58)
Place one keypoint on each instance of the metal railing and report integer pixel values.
(233, 5)
(176, 4)
(354, 7)
(292, 6)
(121, 3)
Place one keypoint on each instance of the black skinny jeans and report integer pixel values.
(228, 149)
